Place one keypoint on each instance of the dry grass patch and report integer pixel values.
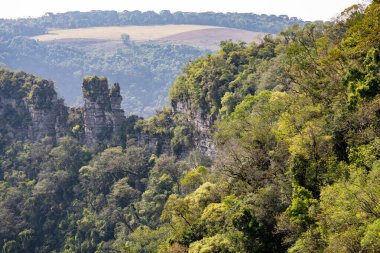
(113, 33)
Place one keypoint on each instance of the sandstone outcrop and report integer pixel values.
(102, 113)
(30, 108)
(202, 137)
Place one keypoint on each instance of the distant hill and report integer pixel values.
(75, 19)
(65, 47)
(204, 37)
(136, 33)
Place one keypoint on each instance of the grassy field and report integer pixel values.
(206, 37)
(136, 33)
(210, 38)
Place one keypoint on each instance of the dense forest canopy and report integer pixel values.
(295, 165)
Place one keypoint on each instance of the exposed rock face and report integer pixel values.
(202, 136)
(48, 113)
(154, 144)
(102, 114)
(51, 122)
(31, 109)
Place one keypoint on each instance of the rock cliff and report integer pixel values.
(202, 136)
(30, 111)
(48, 113)
(30, 108)
(102, 113)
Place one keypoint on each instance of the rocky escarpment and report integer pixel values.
(30, 111)
(48, 113)
(202, 139)
(102, 113)
(30, 108)
(155, 133)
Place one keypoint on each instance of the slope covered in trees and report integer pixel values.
(294, 124)
(76, 19)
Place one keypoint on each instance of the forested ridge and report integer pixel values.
(75, 19)
(294, 165)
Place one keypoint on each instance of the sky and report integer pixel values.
(305, 9)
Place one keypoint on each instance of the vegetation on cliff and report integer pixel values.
(295, 124)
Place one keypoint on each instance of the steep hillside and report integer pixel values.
(296, 126)
(270, 147)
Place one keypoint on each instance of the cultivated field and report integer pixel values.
(207, 37)
(136, 33)
(210, 38)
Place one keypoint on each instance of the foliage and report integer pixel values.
(296, 165)
(126, 39)
(209, 82)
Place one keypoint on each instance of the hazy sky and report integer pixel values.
(305, 9)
